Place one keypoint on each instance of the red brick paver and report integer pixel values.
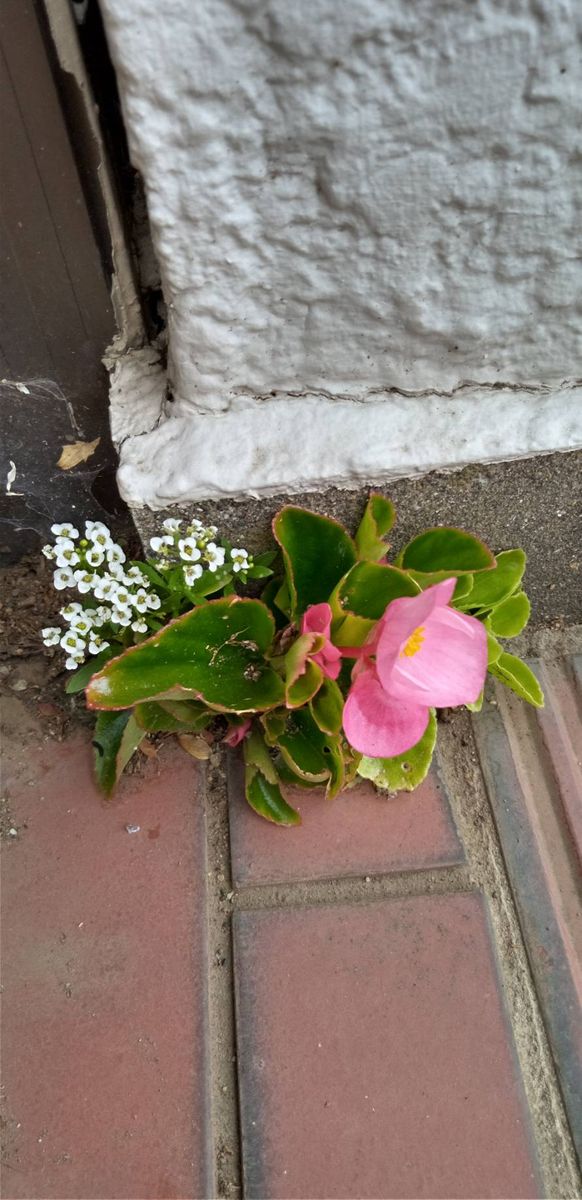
(104, 1013)
(358, 833)
(375, 1055)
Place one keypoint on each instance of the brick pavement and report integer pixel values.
(382, 1003)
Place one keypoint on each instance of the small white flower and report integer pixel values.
(51, 635)
(153, 601)
(65, 530)
(85, 581)
(140, 600)
(73, 642)
(95, 556)
(139, 626)
(49, 551)
(73, 662)
(115, 554)
(82, 624)
(194, 527)
(123, 598)
(191, 574)
(67, 555)
(96, 529)
(240, 559)
(105, 588)
(102, 616)
(71, 610)
(171, 524)
(214, 556)
(134, 575)
(161, 545)
(96, 645)
(117, 573)
(188, 549)
(121, 616)
(63, 578)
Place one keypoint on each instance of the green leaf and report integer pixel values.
(516, 675)
(303, 689)
(477, 704)
(511, 616)
(369, 588)
(317, 553)
(493, 649)
(290, 777)
(267, 800)
(463, 587)
(446, 550)
(159, 718)
(261, 783)
(117, 735)
(377, 521)
(405, 771)
(259, 572)
(214, 653)
(80, 679)
(295, 660)
(273, 723)
(256, 754)
(327, 707)
(282, 599)
(362, 597)
(491, 587)
(309, 751)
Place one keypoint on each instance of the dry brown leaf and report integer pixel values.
(75, 453)
(147, 749)
(197, 747)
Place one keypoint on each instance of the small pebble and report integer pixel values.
(13, 832)
(133, 828)
(19, 685)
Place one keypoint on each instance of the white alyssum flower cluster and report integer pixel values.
(194, 547)
(94, 564)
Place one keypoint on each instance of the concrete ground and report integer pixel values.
(384, 1002)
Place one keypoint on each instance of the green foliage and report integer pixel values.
(517, 676)
(117, 735)
(78, 682)
(405, 771)
(198, 661)
(215, 653)
(317, 552)
(262, 784)
(444, 552)
(378, 519)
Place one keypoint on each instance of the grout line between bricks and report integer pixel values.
(354, 889)
(459, 764)
(223, 1050)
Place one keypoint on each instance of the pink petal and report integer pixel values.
(237, 734)
(329, 659)
(317, 619)
(402, 617)
(378, 725)
(450, 666)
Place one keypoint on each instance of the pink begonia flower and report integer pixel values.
(427, 655)
(237, 734)
(317, 619)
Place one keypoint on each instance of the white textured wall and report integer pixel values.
(352, 200)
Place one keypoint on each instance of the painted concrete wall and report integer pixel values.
(367, 216)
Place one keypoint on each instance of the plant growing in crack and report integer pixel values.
(335, 671)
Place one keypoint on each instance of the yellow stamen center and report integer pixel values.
(414, 643)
